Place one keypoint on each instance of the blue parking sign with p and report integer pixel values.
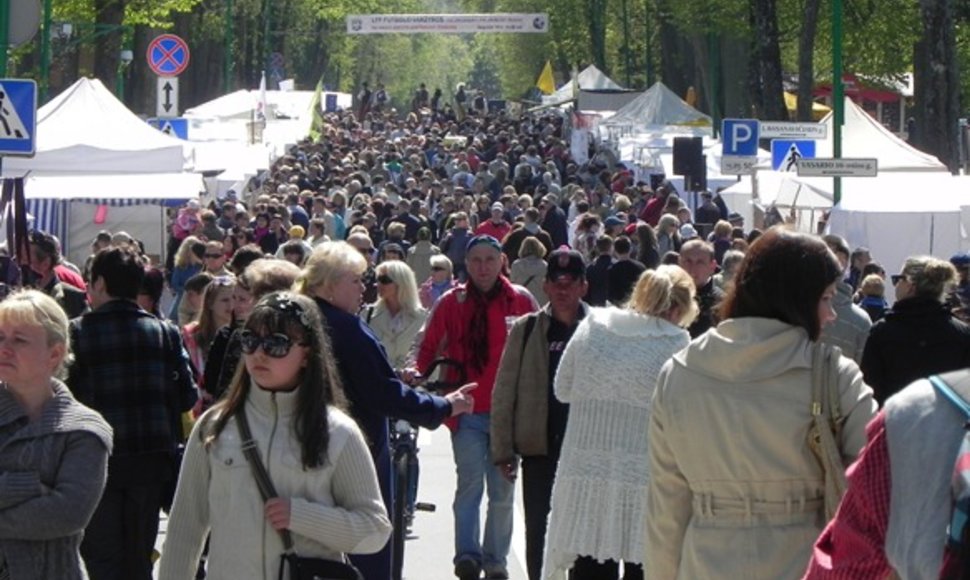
(739, 137)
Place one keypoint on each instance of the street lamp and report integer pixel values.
(124, 61)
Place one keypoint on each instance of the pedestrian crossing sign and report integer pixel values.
(785, 153)
(18, 117)
(175, 127)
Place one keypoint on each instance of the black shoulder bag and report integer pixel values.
(300, 568)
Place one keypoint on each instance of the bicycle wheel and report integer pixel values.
(402, 483)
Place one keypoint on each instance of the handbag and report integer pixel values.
(299, 567)
(826, 425)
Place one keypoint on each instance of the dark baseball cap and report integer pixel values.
(565, 262)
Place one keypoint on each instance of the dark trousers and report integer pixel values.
(538, 474)
(378, 566)
(120, 538)
(586, 568)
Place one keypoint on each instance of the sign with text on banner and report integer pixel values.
(446, 23)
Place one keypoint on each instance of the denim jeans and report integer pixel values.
(473, 462)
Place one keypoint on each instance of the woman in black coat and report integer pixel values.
(918, 337)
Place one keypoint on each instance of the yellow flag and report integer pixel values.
(316, 116)
(546, 83)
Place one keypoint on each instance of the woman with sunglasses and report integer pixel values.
(919, 336)
(328, 497)
(333, 277)
(441, 280)
(397, 316)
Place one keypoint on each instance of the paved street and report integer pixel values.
(430, 548)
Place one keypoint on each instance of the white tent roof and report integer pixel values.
(143, 187)
(657, 106)
(591, 79)
(863, 136)
(86, 130)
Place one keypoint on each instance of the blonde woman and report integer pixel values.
(607, 376)
(188, 263)
(333, 278)
(530, 269)
(397, 316)
(919, 336)
(54, 450)
(215, 313)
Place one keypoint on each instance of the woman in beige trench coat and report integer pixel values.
(735, 490)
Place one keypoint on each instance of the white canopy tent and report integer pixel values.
(657, 107)
(86, 130)
(99, 166)
(590, 79)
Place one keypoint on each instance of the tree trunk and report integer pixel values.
(109, 15)
(765, 81)
(937, 84)
(597, 32)
(806, 69)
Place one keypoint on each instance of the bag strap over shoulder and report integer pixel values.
(950, 394)
(266, 488)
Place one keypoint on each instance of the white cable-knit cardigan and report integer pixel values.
(607, 375)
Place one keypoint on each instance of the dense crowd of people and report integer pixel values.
(651, 371)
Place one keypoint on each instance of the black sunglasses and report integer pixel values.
(385, 279)
(275, 345)
(896, 278)
(438, 268)
(213, 256)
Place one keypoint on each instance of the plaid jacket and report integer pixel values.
(133, 369)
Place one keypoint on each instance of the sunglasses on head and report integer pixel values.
(275, 345)
(385, 279)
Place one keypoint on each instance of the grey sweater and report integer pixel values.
(52, 474)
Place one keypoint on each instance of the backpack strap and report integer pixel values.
(951, 395)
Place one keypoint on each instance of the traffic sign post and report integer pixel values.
(176, 127)
(787, 154)
(168, 55)
(740, 137)
(842, 167)
(780, 130)
(167, 101)
(18, 117)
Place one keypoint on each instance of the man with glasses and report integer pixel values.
(131, 367)
(214, 259)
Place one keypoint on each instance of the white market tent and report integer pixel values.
(98, 166)
(591, 79)
(657, 107)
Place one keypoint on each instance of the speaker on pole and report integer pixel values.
(688, 152)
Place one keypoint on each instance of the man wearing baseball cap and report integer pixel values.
(469, 324)
(527, 419)
(496, 227)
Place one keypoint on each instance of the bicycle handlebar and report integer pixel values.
(443, 386)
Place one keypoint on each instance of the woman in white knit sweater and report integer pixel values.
(316, 456)
(607, 376)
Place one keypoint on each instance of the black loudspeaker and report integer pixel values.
(696, 180)
(688, 153)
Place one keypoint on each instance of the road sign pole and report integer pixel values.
(4, 36)
(45, 51)
(838, 94)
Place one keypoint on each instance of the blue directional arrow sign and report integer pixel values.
(18, 117)
(178, 127)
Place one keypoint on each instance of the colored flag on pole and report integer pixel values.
(316, 113)
(546, 83)
(261, 104)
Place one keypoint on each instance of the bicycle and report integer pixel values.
(404, 446)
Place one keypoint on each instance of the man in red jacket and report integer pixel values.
(470, 324)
